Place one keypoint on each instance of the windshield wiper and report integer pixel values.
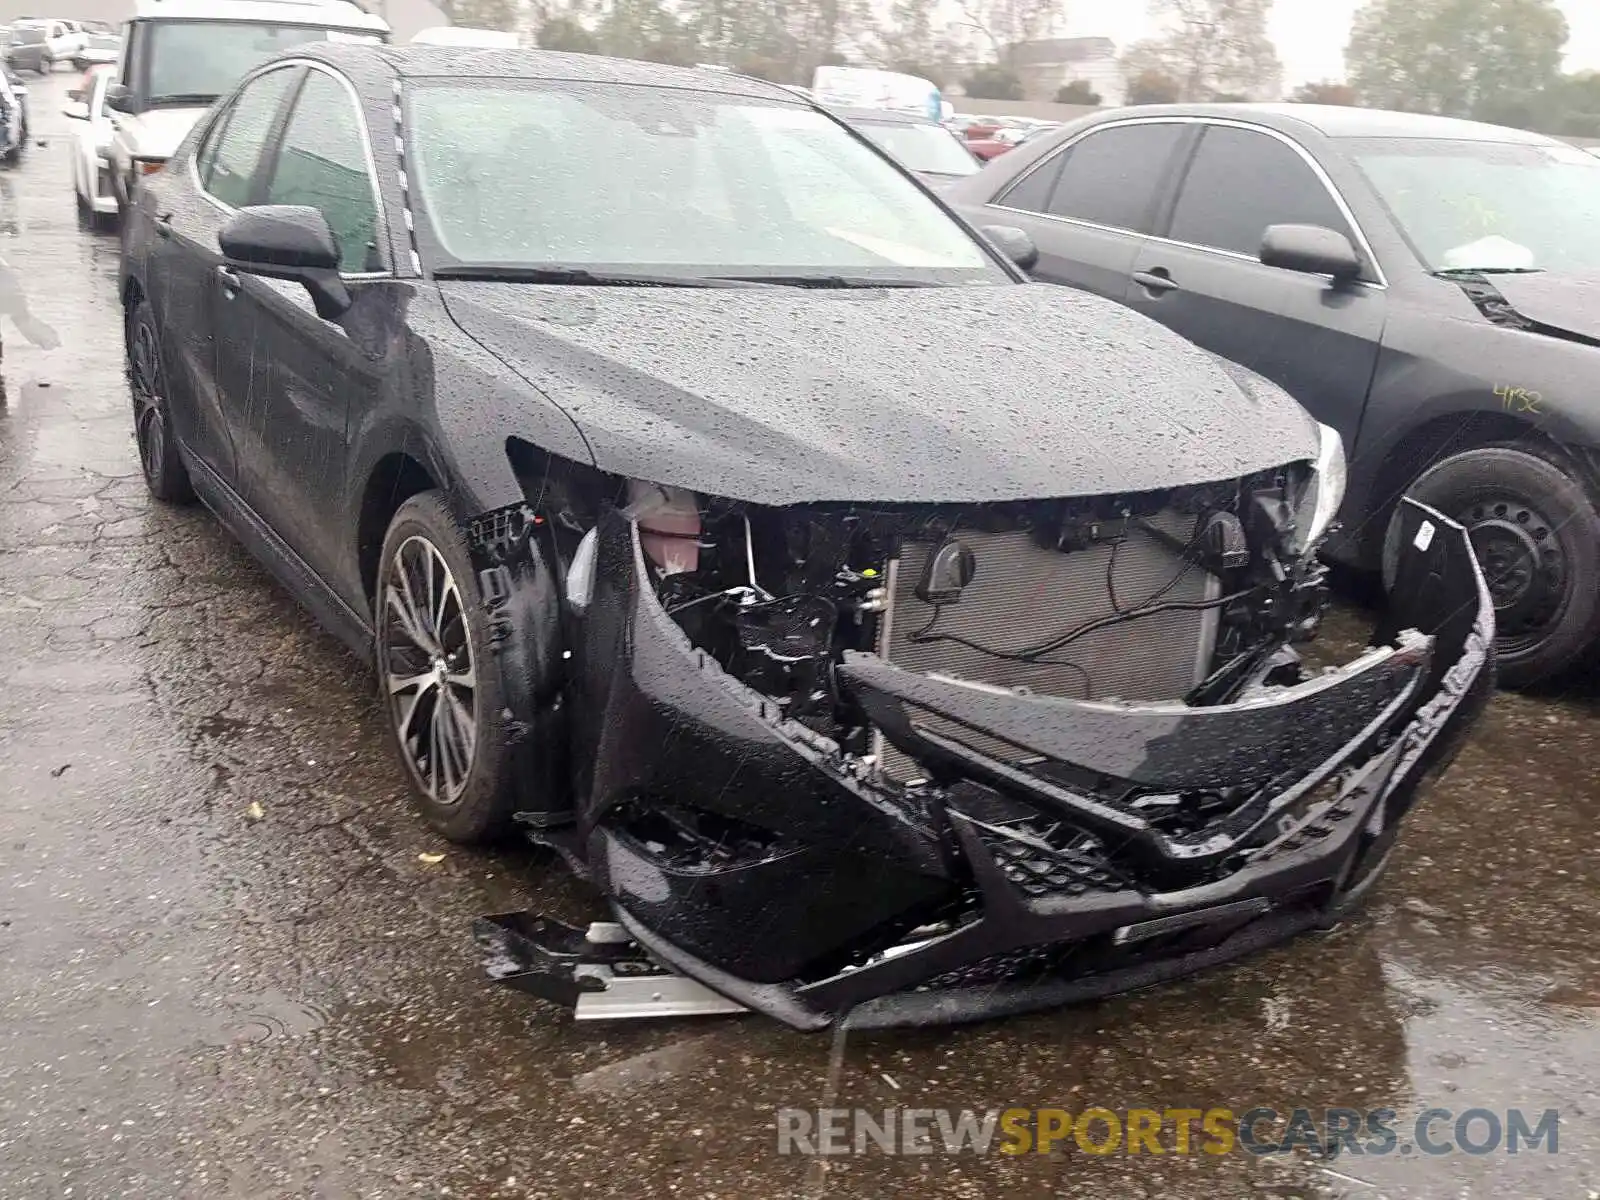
(832, 281)
(1447, 272)
(581, 277)
(195, 98)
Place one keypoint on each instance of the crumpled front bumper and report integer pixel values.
(985, 914)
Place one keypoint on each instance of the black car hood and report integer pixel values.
(963, 394)
(1564, 303)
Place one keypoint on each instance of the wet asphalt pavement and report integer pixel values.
(227, 970)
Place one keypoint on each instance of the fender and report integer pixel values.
(521, 590)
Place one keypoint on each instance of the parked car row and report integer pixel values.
(990, 137)
(624, 417)
(39, 44)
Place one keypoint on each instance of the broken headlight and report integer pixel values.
(1324, 492)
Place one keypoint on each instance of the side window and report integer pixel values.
(1214, 210)
(205, 157)
(1115, 174)
(322, 162)
(234, 152)
(1031, 193)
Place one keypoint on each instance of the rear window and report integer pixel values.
(27, 37)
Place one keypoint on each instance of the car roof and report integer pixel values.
(880, 116)
(1336, 121)
(336, 14)
(433, 62)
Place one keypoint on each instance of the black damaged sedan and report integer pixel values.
(626, 417)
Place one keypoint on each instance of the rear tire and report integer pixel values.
(164, 473)
(438, 683)
(1535, 528)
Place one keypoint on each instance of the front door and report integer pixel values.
(185, 259)
(289, 378)
(1317, 340)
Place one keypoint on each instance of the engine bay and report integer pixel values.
(777, 596)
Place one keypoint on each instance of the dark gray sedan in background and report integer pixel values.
(1426, 286)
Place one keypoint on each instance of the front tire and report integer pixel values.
(164, 473)
(436, 671)
(1535, 528)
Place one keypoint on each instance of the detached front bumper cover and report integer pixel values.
(1329, 767)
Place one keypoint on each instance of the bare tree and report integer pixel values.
(1210, 48)
(483, 14)
(913, 40)
(1006, 24)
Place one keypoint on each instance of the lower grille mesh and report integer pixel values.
(1023, 594)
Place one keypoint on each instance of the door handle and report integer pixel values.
(1158, 280)
(229, 278)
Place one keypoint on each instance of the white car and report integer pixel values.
(180, 56)
(37, 44)
(91, 146)
(64, 40)
(100, 46)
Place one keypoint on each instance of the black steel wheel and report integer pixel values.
(439, 689)
(1535, 529)
(164, 472)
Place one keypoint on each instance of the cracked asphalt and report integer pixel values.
(226, 971)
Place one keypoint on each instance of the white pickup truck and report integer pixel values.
(180, 56)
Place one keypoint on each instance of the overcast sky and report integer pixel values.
(1311, 34)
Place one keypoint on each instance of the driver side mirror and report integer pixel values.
(1312, 250)
(288, 241)
(1014, 243)
(119, 98)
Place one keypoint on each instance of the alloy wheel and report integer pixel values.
(149, 401)
(428, 671)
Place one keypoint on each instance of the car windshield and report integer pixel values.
(928, 148)
(194, 62)
(1492, 206)
(669, 181)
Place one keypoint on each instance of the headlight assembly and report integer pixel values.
(1319, 505)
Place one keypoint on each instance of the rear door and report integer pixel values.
(1090, 206)
(1204, 277)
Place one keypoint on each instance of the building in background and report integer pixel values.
(1047, 65)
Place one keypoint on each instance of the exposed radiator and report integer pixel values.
(1023, 594)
